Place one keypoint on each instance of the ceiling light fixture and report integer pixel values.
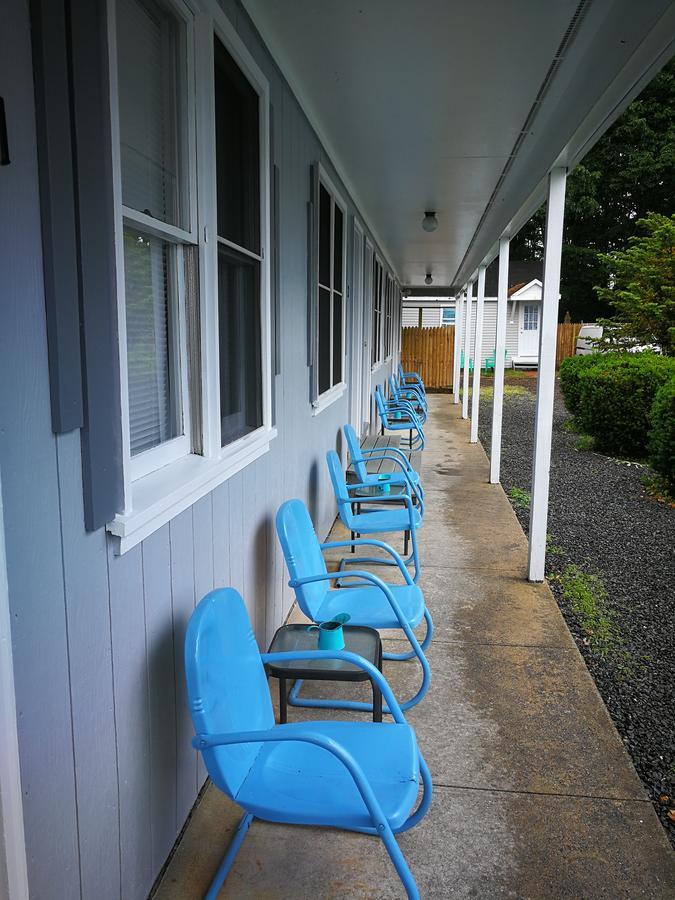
(430, 222)
(428, 279)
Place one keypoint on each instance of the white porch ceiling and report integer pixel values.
(421, 104)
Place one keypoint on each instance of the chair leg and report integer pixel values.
(409, 654)
(398, 859)
(225, 866)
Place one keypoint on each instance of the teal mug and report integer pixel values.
(397, 414)
(331, 635)
(384, 486)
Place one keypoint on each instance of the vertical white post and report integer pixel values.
(467, 340)
(500, 347)
(477, 356)
(456, 370)
(555, 214)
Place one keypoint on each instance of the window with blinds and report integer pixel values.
(330, 288)
(153, 130)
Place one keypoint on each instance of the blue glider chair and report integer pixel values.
(371, 602)
(401, 395)
(359, 776)
(400, 417)
(407, 476)
(409, 391)
(410, 378)
(381, 521)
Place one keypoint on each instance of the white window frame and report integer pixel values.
(335, 391)
(174, 478)
(379, 306)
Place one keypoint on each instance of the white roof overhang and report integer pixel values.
(431, 105)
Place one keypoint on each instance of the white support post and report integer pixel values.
(500, 348)
(456, 370)
(467, 340)
(555, 214)
(477, 356)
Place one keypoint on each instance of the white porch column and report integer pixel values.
(500, 347)
(466, 336)
(477, 356)
(555, 214)
(456, 370)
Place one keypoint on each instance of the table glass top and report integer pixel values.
(363, 641)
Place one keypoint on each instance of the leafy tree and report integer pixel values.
(629, 173)
(642, 290)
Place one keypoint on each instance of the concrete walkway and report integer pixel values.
(535, 795)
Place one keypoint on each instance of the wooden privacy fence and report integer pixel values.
(430, 351)
(567, 341)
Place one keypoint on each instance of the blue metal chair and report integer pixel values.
(381, 521)
(359, 776)
(410, 378)
(407, 476)
(371, 602)
(400, 417)
(400, 395)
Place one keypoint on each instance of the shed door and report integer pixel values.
(528, 337)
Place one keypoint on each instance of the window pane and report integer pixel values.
(337, 338)
(153, 364)
(324, 236)
(239, 343)
(237, 153)
(324, 340)
(151, 63)
(337, 250)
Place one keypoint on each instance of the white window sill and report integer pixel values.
(328, 398)
(376, 367)
(160, 496)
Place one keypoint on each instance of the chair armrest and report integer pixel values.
(344, 655)
(367, 576)
(381, 544)
(385, 498)
(387, 450)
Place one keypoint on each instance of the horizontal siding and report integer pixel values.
(490, 330)
(98, 638)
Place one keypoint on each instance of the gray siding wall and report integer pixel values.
(107, 769)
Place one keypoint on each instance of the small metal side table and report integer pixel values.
(363, 641)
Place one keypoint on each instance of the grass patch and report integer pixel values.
(551, 548)
(657, 488)
(510, 390)
(587, 597)
(571, 426)
(520, 498)
(585, 442)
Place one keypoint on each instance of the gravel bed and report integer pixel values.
(602, 520)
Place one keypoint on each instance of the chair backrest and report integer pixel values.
(354, 447)
(381, 408)
(226, 684)
(395, 392)
(339, 483)
(302, 553)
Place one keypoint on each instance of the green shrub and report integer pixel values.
(662, 434)
(570, 370)
(615, 400)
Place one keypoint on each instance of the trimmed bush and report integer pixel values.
(615, 400)
(570, 370)
(662, 435)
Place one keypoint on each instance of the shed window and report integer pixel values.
(378, 288)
